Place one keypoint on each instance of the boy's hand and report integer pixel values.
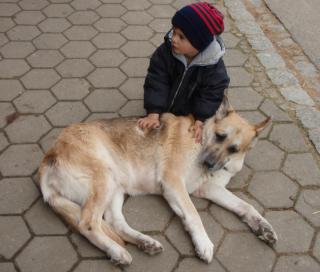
(197, 129)
(150, 121)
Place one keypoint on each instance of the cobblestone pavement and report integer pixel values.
(64, 61)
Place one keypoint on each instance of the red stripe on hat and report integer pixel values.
(204, 7)
(195, 8)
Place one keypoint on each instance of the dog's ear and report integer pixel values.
(261, 126)
(224, 109)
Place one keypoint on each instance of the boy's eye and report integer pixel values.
(181, 37)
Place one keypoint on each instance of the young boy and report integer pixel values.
(186, 74)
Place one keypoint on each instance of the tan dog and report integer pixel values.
(85, 176)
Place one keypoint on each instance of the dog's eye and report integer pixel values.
(232, 149)
(220, 137)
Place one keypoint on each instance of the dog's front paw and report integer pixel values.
(150, 246)
(204, 250)
(122, 257)
(266, 233)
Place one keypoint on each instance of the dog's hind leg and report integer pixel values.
(114, 216)
(223, 197)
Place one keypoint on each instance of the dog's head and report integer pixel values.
(226, 135)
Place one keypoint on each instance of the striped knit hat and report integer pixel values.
(199, 22)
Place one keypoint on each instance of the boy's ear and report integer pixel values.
(224, 109)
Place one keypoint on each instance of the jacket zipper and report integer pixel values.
(177, 91)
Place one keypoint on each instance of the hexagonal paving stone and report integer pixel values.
(17, 49)
(43, 220)
(244, 252)
(133, 108)
(133, 88)
(48, 140)
(45, 58)
(110, 25)
(10, 89)
(181, 239)
(27, 17)
(270, 109)
(85, 5)
(47, 253)
(271, 159)
(49, 41)
(33, 4)
(78, 49)
(106, 115)
(273, 189)
(6, 109)
(234, 57)
(85, 248)
(10, 68)
(6, 24)
(58, 10)
(162, 11)
(34, 101)
(303, 168)
(141, 33)
(3, 38)
(96, 265)
(20, 160)
(13, 235)
(54, 25)
(7, 267)
(106, 77)
(136, 4)
(23, 33)
(200, 203)
(147, 213)
(74, 68)
(107, 58)
(316, 248)
(137, 18)
(135, 67)
(105, 100)
(294, 234)
(157, 39)
(111, 10)
(239, 77)
(296, 264)
(308, 205)
(255, 117)
(40, 78)
(108, 40)
(252, 101)
(161, 25)
(230, 40)
(16, 195)
(83, 17)
(81, 33)
(241, 179)
(163, 262)
(288, 137)
(138, 49)
(71, 89)
(3, 142)
(8, 9)
(194, 264)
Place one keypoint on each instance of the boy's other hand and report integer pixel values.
(197, 129)
(150, 121)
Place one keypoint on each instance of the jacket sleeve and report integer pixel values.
(157, 82)
(209, 96)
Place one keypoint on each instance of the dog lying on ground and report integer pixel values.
(92, 166)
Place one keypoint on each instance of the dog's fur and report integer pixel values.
(91, 167)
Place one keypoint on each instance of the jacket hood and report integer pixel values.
(209, 56)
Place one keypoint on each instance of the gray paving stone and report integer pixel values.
(107, 58)
(10, 89)
(147, 213)
(133, 88)
(75, 68)
(10, 68)
(40, 78)
(137, 32)
(316, 248)
(45, 58)
(83, 17)
(8, 9)
(135, 67)
(282, 77)
(309, 117)
(49, 41)
(43, 221)
(6, 109)
(270, 109)
(133, 108)
(157, 39)
(271, 60)
(3, 142)
(111, 10)
(273, 189)
(85, 248)
(47, 254)
(13, 235)
(108, 40)
(234, 57)
(294, 234)
(136, 4)
(193, 264)
(78, 49)
(110, 25)
(244, 252)
(138, 49)
(181, 3)
(163, 262)
(23, 33)
(265, 156)
(54, 25)
(6, 24)
(27, 17)
(297, 95)
(306, 68)
(16, 195)
(65, 113)
(71, 89)
(48, 140)
(85, 5)
(251, 102)
(302, 168)
(80, 33)
(241, 179)
(16, 50)
(161, 11)
(20, 160)
(160, 1)
(239, 77)
(7, 267)
(33, 4)
(161, 25)
(230, 40)
(308, 205)
(288, 137)
(200, 203)
(97, 266)
(296, 264)
(314, 135)
(106, 77)
(106, 115)
(3, 38)
(105, 100)
(137, 18)
(58, 10)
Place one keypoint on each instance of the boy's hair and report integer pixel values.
(199, 22)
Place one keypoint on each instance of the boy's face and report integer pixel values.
(181, 45)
